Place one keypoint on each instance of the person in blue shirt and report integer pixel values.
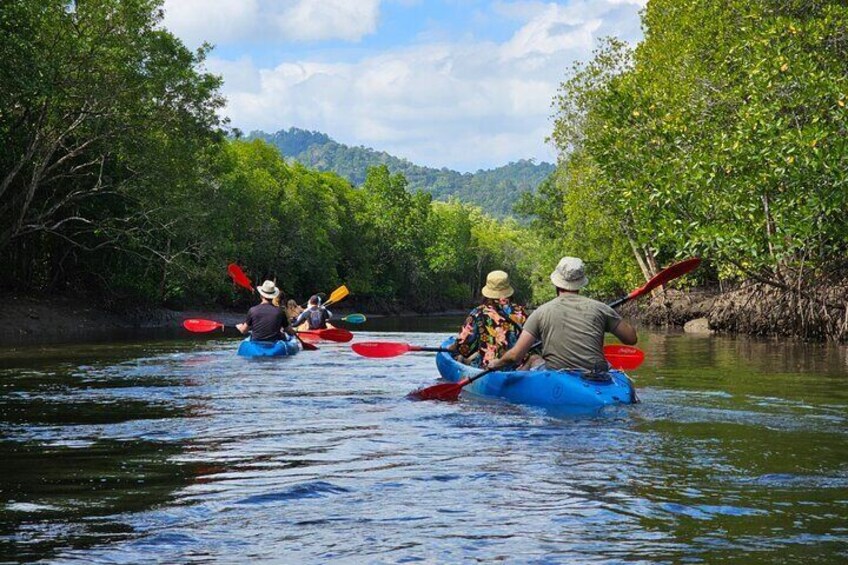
(315, 315)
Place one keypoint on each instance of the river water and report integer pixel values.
(178, 451)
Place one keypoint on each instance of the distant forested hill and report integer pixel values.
(494, 190)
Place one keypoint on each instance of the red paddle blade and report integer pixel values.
(624, 357)
(380, 349)
(201, 326)
(308, 336)
(667, 274)
(448, 392)
(239, 277)
(340, 335)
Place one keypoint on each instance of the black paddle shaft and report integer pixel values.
(434, 349)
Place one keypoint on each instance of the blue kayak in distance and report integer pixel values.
(567, 391)
(280, 348)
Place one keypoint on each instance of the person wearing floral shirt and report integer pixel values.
(493, 327)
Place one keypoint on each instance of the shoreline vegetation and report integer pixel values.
(121, 182)
(35, 319)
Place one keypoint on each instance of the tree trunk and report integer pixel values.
(639, 259)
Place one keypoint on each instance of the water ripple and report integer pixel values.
(183, 452)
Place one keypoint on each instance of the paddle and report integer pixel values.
(450, 391)
(331, 334)
(621, 357)
(338, 294)
(351, 319)
(664, 276)
(305, 345)
(202, 326)
(239, 277)
(198, 325)
(385, 349)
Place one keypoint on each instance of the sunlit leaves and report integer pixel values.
(721, 134)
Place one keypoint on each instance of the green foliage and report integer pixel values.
(723, 135)
(105, 122)
(495, 190)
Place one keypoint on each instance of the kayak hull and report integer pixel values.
(281, 348)
(568, 391)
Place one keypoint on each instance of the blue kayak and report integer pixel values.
(281, 348)
(567, 390)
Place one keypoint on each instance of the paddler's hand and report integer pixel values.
(496, 364)
(242, 327)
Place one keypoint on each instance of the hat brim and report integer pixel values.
(560, 282)
(505, 293)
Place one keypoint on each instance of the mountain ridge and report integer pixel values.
(493, 190)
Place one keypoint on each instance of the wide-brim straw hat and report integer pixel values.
(570, 274)
(268, 290)
(497, 285)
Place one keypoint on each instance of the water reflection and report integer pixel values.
(181, 451)
(83, 443)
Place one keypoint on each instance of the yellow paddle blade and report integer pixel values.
(337, 295)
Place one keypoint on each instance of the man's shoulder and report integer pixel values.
(544, 307)
(589, 300)
(598, 306)
(564, 301)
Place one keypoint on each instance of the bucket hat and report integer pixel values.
(570, 274)
(497, 285)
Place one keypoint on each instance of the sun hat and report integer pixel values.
(268, 290)
(570, 274)
(497, 285)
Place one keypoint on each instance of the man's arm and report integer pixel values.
(301, 318)
(625, 333)
(518, 352)
(244, 327)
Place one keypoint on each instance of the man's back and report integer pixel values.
(265, 322)
(572, 329)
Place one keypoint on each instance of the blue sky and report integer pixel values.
(464, 84)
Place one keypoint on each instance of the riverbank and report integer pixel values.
(745, 311)
(30, 319)
(753, 309)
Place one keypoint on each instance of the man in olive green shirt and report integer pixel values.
(571, 327)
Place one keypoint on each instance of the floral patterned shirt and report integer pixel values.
(489, 331)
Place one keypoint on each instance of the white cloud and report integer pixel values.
(552, 30)
(216, 21)
(225, 21)
(240, 73)
(312, 20)
(464, 104)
